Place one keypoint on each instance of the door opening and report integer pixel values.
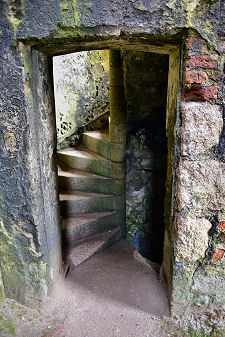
(90, 192)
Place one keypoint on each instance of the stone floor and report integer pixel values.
(114, 293)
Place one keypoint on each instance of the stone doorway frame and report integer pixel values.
(42, 145)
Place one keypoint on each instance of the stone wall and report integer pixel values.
(145, 82)
(31, 33)
(199, 244)
(81, 86)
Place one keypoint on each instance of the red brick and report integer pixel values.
(195, 76)
(194, 43)
(203, 61)
(218, 255)
(221, 226)
(200, 93)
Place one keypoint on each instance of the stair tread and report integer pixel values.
(75, 195)
(81, 219)
(82, 152)
(101, 135)
(69, 172)
(82, 251)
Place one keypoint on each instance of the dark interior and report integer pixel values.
(145, 80)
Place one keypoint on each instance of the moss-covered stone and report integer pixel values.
(28, 282)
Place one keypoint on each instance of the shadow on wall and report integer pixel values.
(145, 76)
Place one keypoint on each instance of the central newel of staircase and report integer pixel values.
(91, 197)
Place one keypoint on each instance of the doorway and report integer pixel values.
(82, 118)
(43, 142)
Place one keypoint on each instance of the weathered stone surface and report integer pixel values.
(28, 179)
(210, 281)
(191, 238)
(145, 180)
(201, 184)
(195, 44)
(145, 78)
(81, 85)
(202, 125)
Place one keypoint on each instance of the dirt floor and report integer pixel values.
(114, 293)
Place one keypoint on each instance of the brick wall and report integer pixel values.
(202, 76)
(199, 227)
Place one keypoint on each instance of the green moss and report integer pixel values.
(15, 23)
(76, 13)
(70, 13)
(22, 280)
(142, 8)
(133, 222)
(26, 58)
(98, 57)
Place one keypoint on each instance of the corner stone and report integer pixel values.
(202, 125)
(191, 238)
(201, 185)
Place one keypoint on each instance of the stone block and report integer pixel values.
(201, 185)
(202, 124)
(202, 61)
(195, 44)
(117, 170)
(117, 133)
(117, 152)
(115, 58)
(191, 238)
(195, 76)
(209, 280)
(116, 77)
(116, 96)
(200, 93)
(118, 115)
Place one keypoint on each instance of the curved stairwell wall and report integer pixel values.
(81, 87)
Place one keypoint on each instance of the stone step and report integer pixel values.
(74, 180)
(82, 159)
(82, 226)
(74, 202)
(83, 250)
(98, 142)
